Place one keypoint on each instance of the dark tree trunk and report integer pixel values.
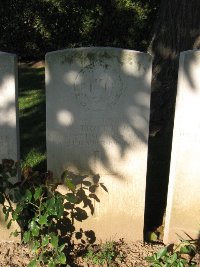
(177, 29)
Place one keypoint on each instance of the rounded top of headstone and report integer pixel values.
(7, 54)
(95, 49)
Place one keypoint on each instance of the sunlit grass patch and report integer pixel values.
(32, 116)
(29, 102)
(33, 158)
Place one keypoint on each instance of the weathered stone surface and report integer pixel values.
(8, 107)
(98, 102)
(9, 135)
(183, 206)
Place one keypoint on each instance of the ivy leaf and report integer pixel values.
(70, 185)
(174, 257)
(36, 245)
(51, 206)
(17, 212)
(60, 249)
(150, 259)
(186, 250)
(54, 241)
(64, 175)
(33, 263)
(28, 195)
(45, 241)
(38, 192)
(42, 219)
(180, 264)
(34, 228)
(61, 258)
(60, 210)
(161, 252)
(71, 198)
(26, 236)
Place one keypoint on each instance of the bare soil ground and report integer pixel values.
(17, 255)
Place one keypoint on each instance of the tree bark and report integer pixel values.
(177, 29)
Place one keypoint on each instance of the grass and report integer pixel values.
(32, 116)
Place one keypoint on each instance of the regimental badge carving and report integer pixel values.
(98, 86)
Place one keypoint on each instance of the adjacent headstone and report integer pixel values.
(98, 103)
(9, 137)
(183, 205)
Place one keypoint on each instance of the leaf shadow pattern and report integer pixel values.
(79, 204)
(97, 118)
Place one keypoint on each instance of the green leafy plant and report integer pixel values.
(104, 254)
(180, 255)
(46, 217)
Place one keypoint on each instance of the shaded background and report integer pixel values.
(32, 28)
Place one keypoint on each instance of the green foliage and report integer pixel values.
(42, 211)
(32, 28)
(106, 253)
(179, 256)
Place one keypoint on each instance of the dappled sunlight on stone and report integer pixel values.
(9, 135)
(98, 104)
(72, 76)
(47, 76)
(65, 117)
(132, 66)
(7, 103)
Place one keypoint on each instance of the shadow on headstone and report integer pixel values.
(98, 103)
(9, 131)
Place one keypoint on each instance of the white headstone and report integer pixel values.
(98, 102)
(183, 205)
(9, 142)
(9, 135)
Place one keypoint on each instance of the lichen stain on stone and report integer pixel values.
(106, 55)
(86, 58)
(98, 55)
(66, 59)
(92, 56)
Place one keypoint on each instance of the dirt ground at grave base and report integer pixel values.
(17, 255)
